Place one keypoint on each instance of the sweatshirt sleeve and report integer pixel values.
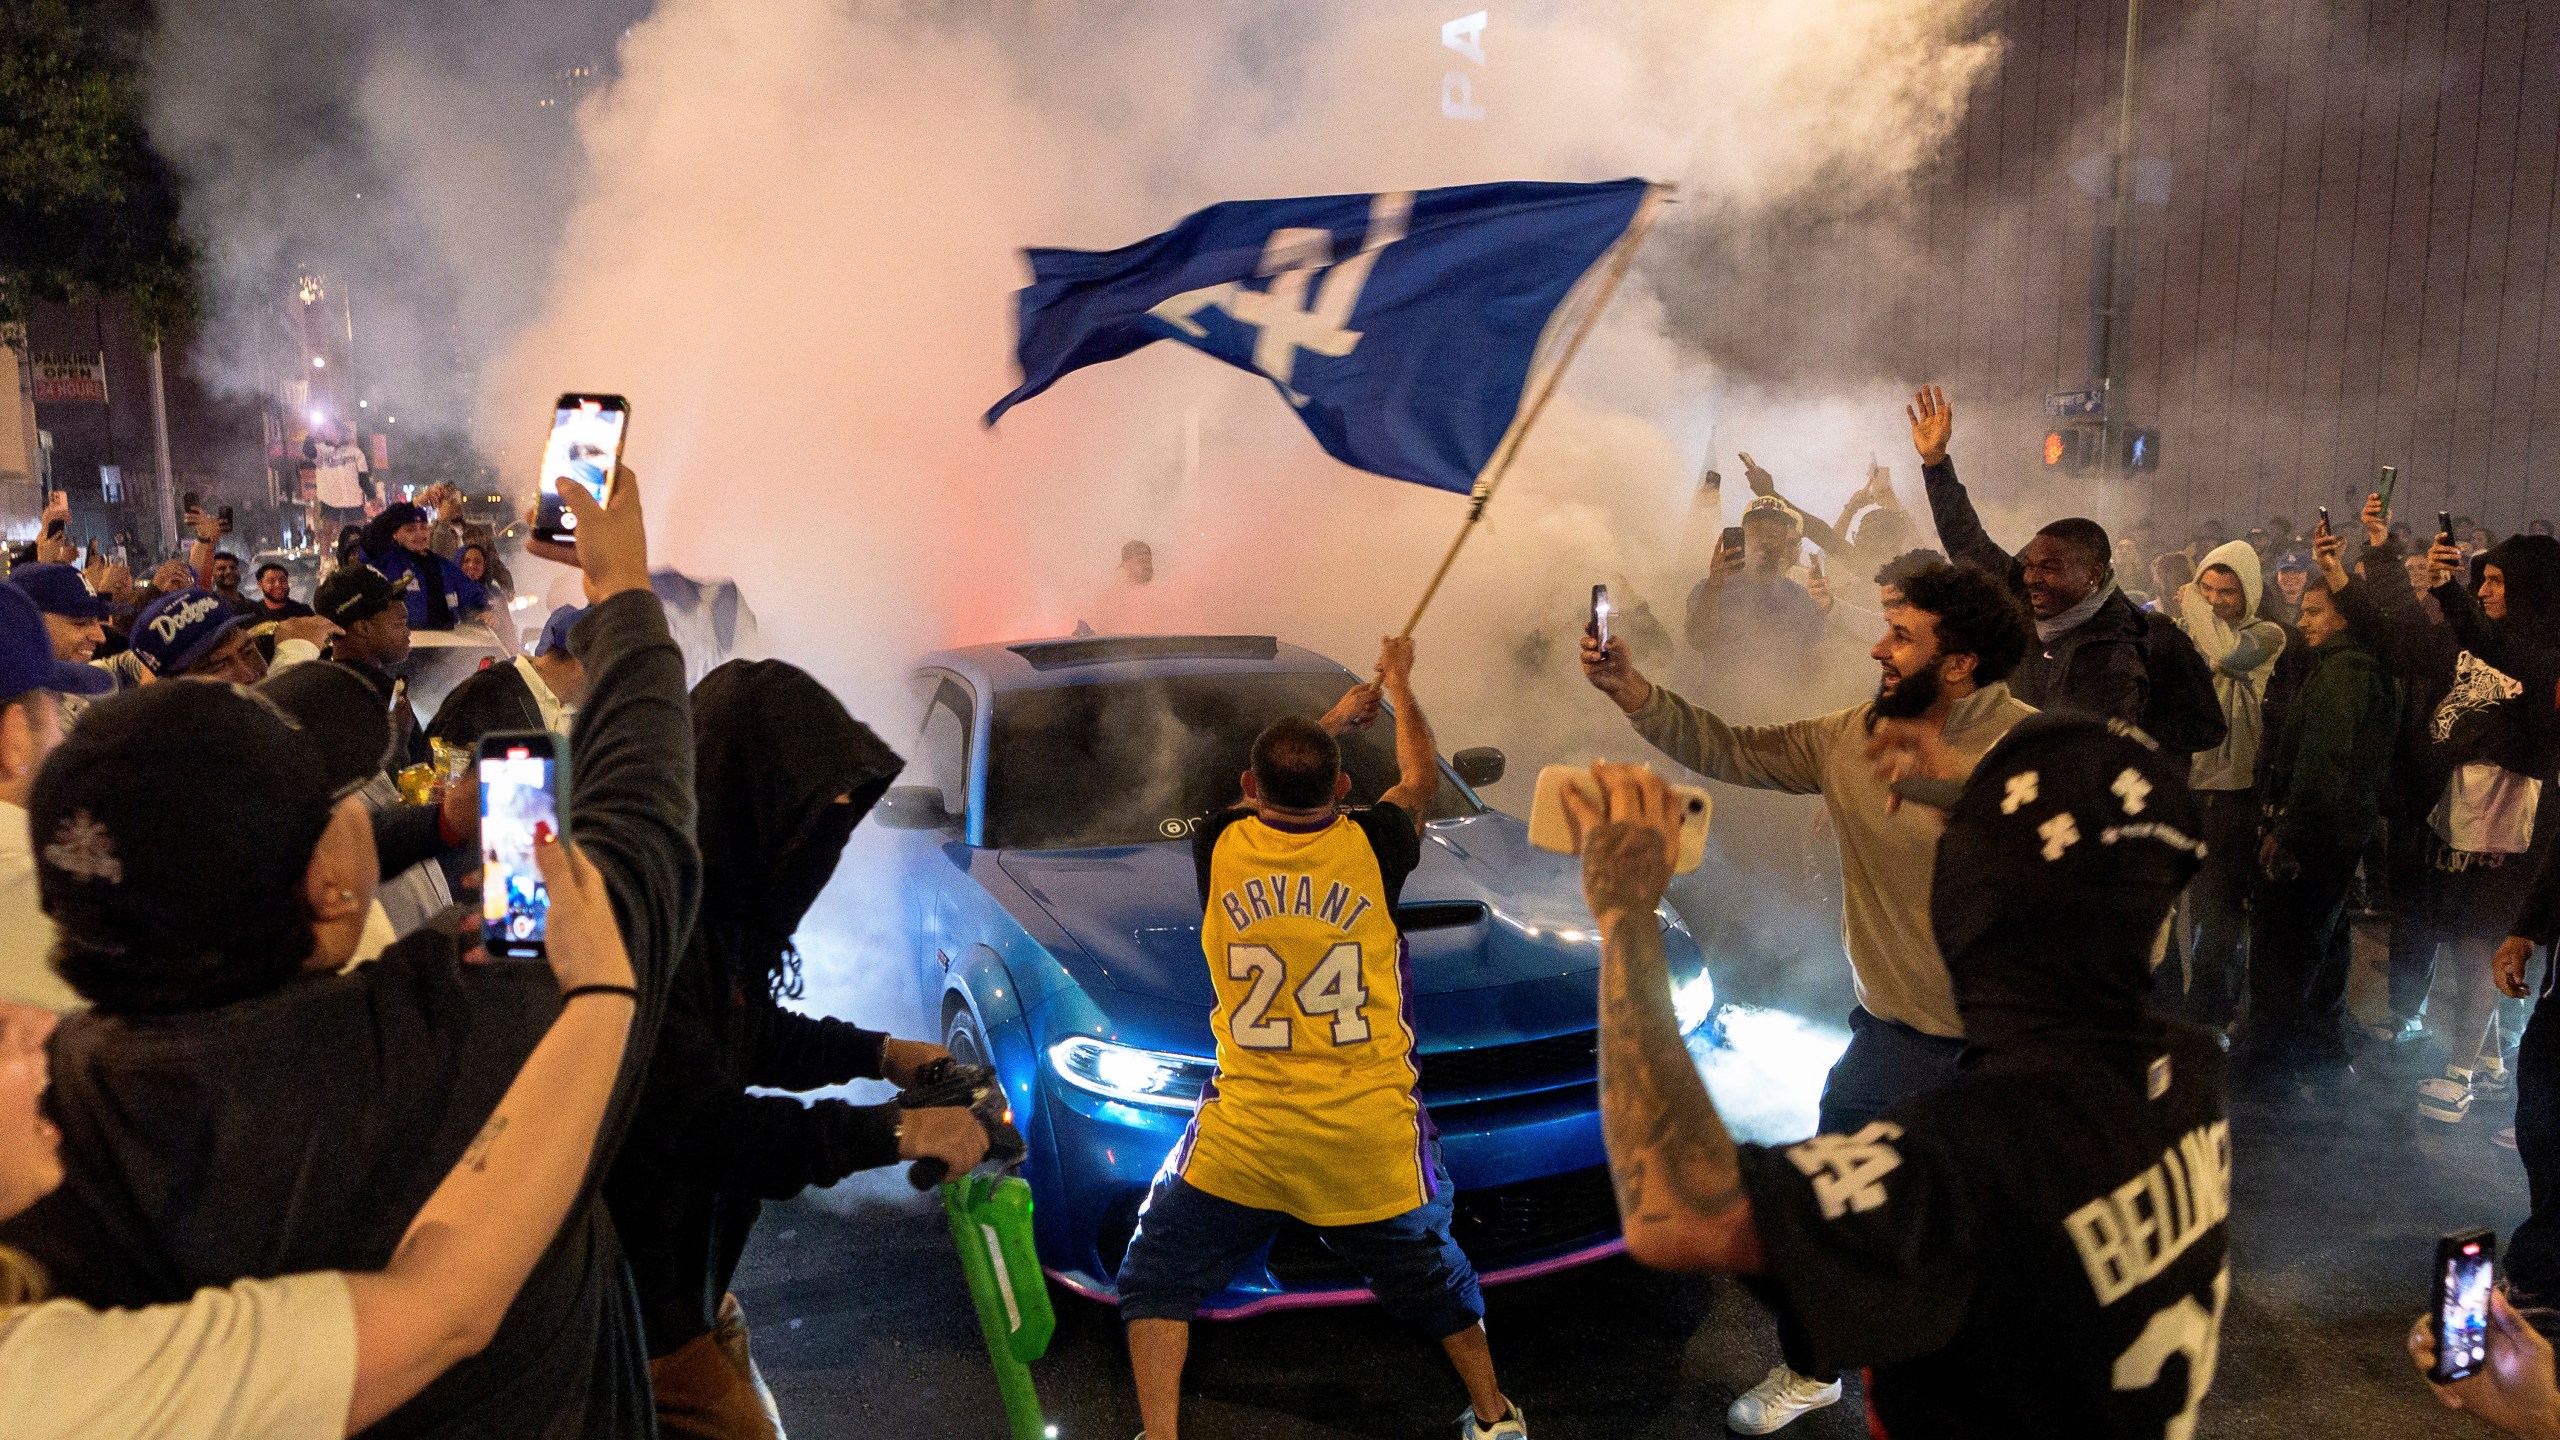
(775, 1146)
(631, 809)
(2259, 644)
(1765, 757)
(811, 1052)
(1960, 528)
(406, 835)
(2538, 920)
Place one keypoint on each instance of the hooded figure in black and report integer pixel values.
(782, 775)
(2037, 1247)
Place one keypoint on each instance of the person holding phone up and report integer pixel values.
(1997, 1252)
(325, 1353)
(199, 1149)
(1942, 663)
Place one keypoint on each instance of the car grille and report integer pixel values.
(1549, 1064)
(1494, 1226)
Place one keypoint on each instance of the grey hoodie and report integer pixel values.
(2243, 656)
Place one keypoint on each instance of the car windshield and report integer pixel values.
(1134, 761)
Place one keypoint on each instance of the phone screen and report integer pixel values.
(2390, 480)
(585, 445)
(2467, 1270)
(519, 803)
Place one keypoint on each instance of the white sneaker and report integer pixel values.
(1775, 1402)
(2446, 1098)
(1513, 1426)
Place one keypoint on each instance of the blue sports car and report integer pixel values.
(1050, 794)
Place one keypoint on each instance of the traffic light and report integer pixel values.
(2074, 449)
(2137, 449)
(2080, 448)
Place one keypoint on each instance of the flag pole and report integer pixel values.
(1510, 448)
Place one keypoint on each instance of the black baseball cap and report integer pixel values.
(339, 712)
(355, 592)
(127, 884)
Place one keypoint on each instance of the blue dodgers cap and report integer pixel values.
(59, 590)
(26, 654)
(555, 631)
(180, 629)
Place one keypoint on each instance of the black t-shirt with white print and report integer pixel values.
(2028, 1251)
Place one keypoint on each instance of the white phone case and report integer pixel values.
(1548, 829)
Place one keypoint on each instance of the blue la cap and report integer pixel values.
(26, 654)
(180, 629)
(555, 631)
(59, 590)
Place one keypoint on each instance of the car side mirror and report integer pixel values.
(914, 807)
(1479, 767)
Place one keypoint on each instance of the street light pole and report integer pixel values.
(2111, 270)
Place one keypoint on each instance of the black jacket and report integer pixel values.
(773, 751)
(2098, 666)
(301, 1130)
(2327, 758)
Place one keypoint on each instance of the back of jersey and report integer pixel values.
(1312, 1112)
(2028, 1251)
(2105, 1268)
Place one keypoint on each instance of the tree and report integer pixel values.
(86, 205)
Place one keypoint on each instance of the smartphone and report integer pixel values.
(524, 774)
(1549, 830)
(1601, 610)
(2444, 526)
(2466, 1271)
(585, 446)
(224, 515)
(2383, 487)
(1730, 540)
(2324, 522)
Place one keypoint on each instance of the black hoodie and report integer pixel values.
(773, 753)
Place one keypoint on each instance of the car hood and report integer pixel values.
(1482, 909)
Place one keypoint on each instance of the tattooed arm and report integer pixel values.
(458, 1267)
(1678, 1178)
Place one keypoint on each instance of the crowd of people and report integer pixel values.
(289, 1156)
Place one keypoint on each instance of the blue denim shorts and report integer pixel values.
(1189, 1244)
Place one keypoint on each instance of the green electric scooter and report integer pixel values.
(991, 1227)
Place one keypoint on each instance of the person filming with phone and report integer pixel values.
(240, 1104)
(1948, 647)
(2035, 1247)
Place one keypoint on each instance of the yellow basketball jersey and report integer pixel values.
(1312, 1112)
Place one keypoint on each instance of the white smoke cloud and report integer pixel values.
(788, 232)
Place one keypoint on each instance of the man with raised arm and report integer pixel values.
(1312, 1113)
(2091, 643)
(2035, 1248)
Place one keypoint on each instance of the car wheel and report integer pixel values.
(962, 1037)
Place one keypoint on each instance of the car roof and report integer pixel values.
(1101, 659)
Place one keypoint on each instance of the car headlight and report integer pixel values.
(1125, 1072)
(1693, 1000)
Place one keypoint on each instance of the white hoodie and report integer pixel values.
(2243, 656)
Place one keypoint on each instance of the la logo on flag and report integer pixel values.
(1402, 326)
(1296, 310)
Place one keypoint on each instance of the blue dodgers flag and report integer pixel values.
(1401, 325)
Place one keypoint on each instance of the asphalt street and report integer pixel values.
(863, 1326)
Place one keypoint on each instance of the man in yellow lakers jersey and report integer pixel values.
(1312, 1114)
